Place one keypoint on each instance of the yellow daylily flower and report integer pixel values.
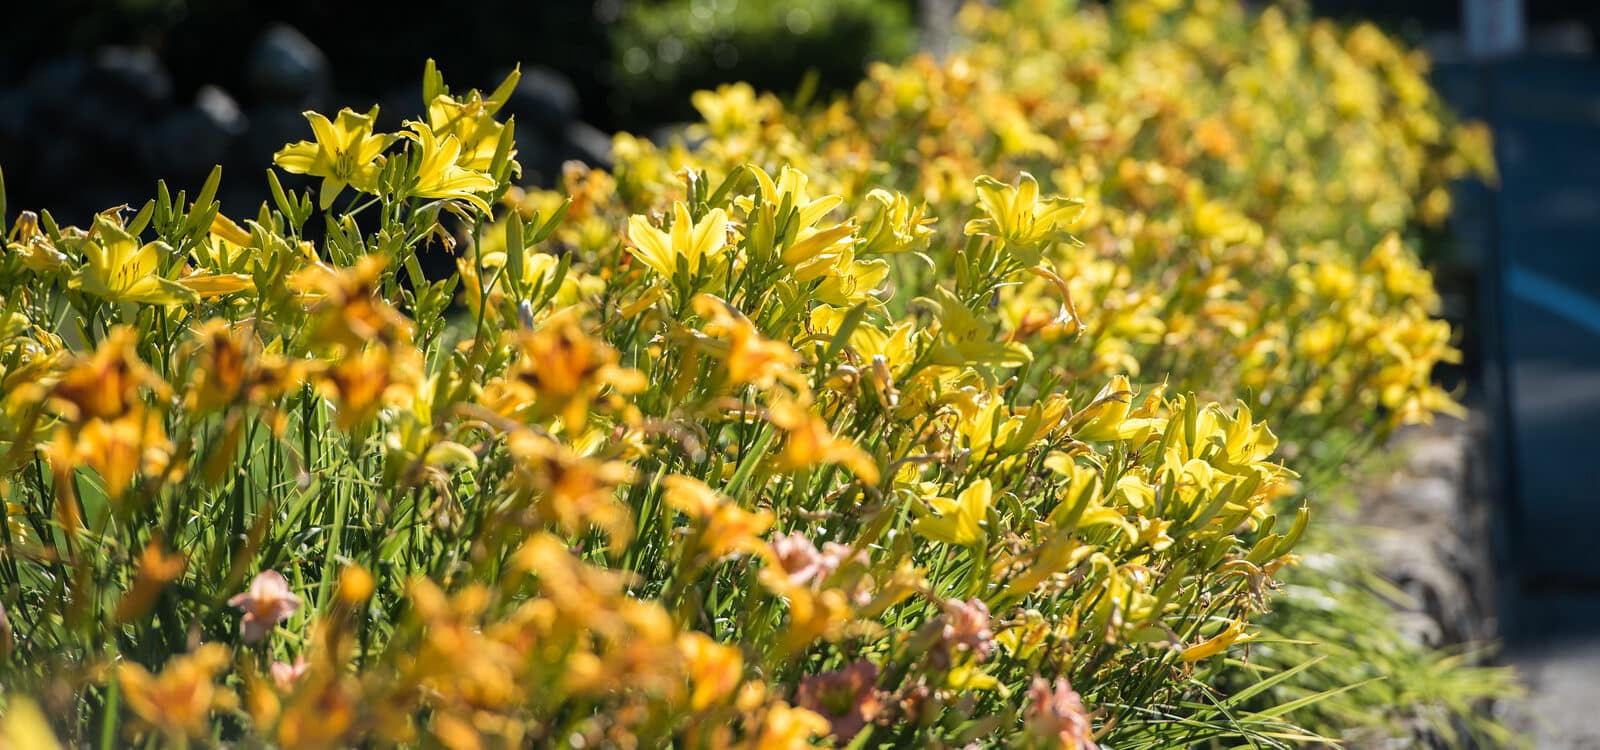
(895, 344)
(971, 677)
(897, 227)
(962, 520)
(1102, 419)
(211, 285)
(790, 185)
(1018, 216)
(693, 242)
(24, 725)
(817, 252)
(852, 281)
(472, 124)
(116, 267)
(733, 107)
(117, 450)
(713, 669)
(346, 152)
(32, 246)
(965, 339)
(225, 229)
(229, 249)
(810, 443)
(750, 358)
(1232, 634)
(784, 727)
(440, 176)
(1248, 444)
(725, 528)
(179, 699)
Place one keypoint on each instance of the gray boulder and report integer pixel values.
(544, 100)
(285, 67)
(185, 145)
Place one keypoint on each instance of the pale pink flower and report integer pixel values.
(836, 556)
(286, 675)
(267, 603)
(1056, 712)
(966, 626)
(866, 588)
(847, 698)
(803, 563)
(799, 557)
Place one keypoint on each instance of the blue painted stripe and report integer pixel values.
(1553, 296)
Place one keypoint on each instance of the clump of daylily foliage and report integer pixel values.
(910, 421)
(1254, 184)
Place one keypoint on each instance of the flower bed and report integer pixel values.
(926, 417)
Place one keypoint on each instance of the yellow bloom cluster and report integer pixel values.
(759, 445)
(1222, 155)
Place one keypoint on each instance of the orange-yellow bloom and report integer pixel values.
(714, 669)
(180, 699)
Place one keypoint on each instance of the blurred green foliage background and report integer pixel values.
(665, 50)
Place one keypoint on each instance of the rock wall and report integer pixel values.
(81, 133)
(1429, 517)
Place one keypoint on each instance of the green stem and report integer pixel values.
(108, 716)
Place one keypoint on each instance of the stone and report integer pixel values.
(1440, 456)
(51, 87)
(104, 105)
(57, 156)
(185, 145)
(286, 67)
(540, 156)
(220, 109)
(1560, 674)
(133, 74)
(1429, 535)
(272, 127)
(1429, 500)
(589, 144)
(678, 132)
(544, 100)
(13, 128)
